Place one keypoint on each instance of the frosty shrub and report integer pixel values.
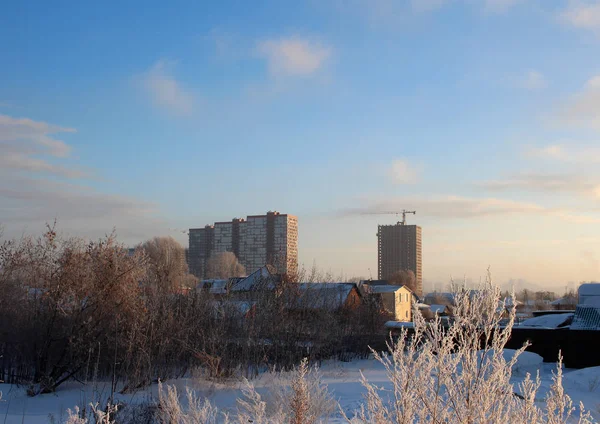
(460, 373)
(96, 415)
(297, 397)
(197, 410)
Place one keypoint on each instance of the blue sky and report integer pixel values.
(483, 115)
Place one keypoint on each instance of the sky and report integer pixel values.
(152, 117)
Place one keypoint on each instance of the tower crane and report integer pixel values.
(403, 212)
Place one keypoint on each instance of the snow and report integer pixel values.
(322, 295)
(438, 309)
(342, 378)
(384, 289)
(399, 324)
(546, 321)
(262, 278)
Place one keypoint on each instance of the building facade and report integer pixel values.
(256, 241)
(399, 249)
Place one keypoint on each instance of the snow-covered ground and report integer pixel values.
(343, 380)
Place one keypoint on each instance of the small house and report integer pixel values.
(396, 300)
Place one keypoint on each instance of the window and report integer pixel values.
(406, 314)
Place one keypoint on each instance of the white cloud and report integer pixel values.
(28, 146)
(451, 206)
(28, 155)
(82, 211)
(576, 154)
(583, 14)
(553, 183)
(165, 90)
(25, 130)
(293, 56)
(459, 207)
(402, 172)
(583, 109)
(534, 80)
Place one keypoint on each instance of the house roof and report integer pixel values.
(262, 278)
(214, 286)
(385, 289)
(564, 301)
(586, 318)
(322, 295)
(437, 309)
(432, 298)
(399, 324)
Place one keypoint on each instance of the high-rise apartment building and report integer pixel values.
(256, 241)
(399, 249)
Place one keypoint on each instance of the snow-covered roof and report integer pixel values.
(322, 295)
(214, 286)
(547, 321)
(510, 301)
(434, 298)
(564, 301)
(438, 309)
(385, 289)
(262, 278)
(587, 317)
(399, 324)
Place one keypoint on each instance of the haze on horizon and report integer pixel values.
(483, 116)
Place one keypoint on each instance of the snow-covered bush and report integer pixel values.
(459, 373)
(297, 397)
(95, 414)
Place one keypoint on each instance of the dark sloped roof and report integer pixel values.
(586, 318)
(261, 279)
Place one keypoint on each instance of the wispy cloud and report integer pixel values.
(583, 109)
(450, 206)
(533, 80)
(583, 14)
(552, 183)
(571, 153)
(164, 89)
(293, 56)
(28, 203)
(29, 153)
(459, 207)
(27, 145)
(403, 172)
(392, 12)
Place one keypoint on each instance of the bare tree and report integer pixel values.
(224, 265)
(167, 265)
(404, 278)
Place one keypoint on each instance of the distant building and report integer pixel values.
(587, 313)
(259, 240)
(399, 248)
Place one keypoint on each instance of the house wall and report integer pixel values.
(353, 300)
(388, 301)
(403, 300)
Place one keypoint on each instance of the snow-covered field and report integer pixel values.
(343, 380)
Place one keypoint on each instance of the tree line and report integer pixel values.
(73, 309)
